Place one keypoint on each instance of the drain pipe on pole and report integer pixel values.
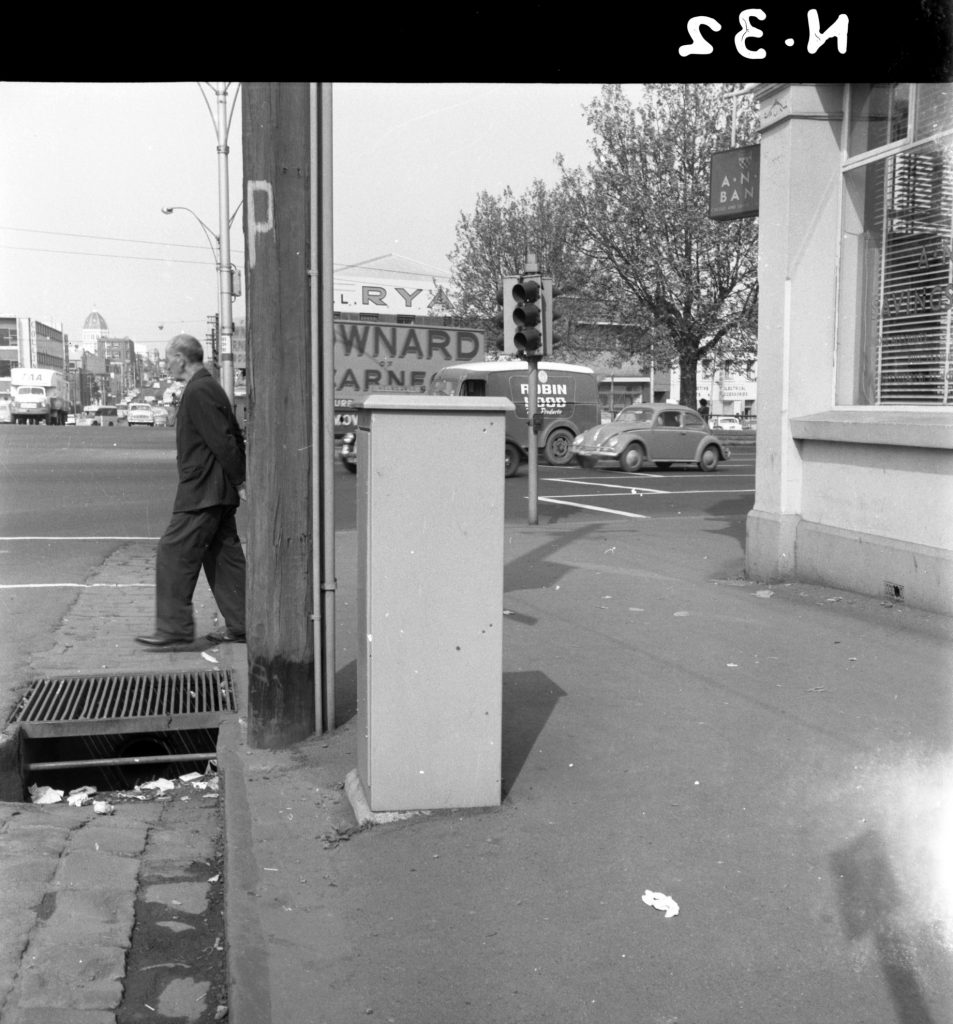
(322, 403)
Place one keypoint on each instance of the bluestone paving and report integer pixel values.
(69, 877)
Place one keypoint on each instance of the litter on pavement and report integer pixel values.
(80, 797)
(45, 794)
(661, 902)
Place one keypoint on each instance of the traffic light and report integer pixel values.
(527, 315)
(549, 315)
(504, 320)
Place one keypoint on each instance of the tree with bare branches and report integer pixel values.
(685, 284)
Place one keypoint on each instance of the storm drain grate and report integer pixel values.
(127, 702)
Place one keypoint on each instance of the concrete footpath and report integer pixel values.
(774, 759)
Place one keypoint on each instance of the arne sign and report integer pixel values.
(735, 176)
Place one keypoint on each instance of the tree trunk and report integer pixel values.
(688, 371)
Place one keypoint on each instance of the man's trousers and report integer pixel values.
(205, 539)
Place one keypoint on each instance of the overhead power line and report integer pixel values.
(102, 238)
(106, 255)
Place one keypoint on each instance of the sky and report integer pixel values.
(89, 166)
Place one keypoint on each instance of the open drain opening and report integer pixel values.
(115, 732)
(114, 762)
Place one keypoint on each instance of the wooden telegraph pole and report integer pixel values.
(281, 656)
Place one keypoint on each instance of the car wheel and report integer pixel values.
(511, 460)
(663, 465)
(586, 461)
(632, 459)
(709, 459)
(558, 449)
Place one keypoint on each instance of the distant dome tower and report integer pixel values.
(94, 329)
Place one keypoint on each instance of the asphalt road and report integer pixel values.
(606, 494)
(69, 496)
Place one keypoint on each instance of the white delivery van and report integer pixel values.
(567, 403)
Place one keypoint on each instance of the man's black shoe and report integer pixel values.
(226, 636)
(159, 640)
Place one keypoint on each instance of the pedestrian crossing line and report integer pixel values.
(593, 508)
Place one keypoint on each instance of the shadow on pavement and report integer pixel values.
(345, 694)
(730, 522)
(534, 570)
(528, 700)
(870, 905)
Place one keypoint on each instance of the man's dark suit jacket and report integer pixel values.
(210, 449)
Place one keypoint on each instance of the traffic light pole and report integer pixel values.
(533, 447)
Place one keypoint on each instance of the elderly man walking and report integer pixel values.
(210, 456)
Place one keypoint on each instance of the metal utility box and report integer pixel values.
(430, 600)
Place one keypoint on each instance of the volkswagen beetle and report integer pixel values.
(651, 432)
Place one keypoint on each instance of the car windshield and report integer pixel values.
(442, 386)
(632, 414)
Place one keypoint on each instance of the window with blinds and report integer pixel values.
(898, 239)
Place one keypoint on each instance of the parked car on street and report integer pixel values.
(349, 452)
(725, 423)
(105, 416)
(160, 415)
(651, 432)
(140, 413)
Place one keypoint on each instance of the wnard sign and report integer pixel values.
(380, 356)
(735, 175)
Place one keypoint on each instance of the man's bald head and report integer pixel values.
(188, 347)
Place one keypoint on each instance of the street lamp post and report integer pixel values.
(226, 354)
(215, 245)
(219, 242)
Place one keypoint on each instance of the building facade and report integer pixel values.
(25, 341)
(94, 328)
(630, 383)
(123, 365)
(855, 380)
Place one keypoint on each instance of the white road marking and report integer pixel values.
(647, 492)
(81, 586)
(5, 539)
(593, 508)
(622, 487)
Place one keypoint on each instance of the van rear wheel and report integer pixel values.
(511, 460)
(558, 448)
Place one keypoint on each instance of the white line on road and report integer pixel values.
(4, 539)
(622, 487)
(53, 586)
(593, 508)
(646, 493)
